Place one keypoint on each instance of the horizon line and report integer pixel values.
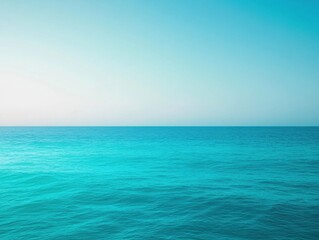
(243, 126)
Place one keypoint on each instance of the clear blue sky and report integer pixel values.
(164, 62)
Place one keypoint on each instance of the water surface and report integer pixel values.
(159, 183)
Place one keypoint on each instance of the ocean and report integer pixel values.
(158, 183)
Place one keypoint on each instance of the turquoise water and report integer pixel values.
(159, 183)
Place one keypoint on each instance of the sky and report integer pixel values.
(159, 62)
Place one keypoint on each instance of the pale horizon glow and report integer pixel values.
(159, 63)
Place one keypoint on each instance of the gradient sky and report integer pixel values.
(164, 62)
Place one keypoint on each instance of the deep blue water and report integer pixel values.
(159, 183)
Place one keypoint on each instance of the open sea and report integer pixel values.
(152, 183)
